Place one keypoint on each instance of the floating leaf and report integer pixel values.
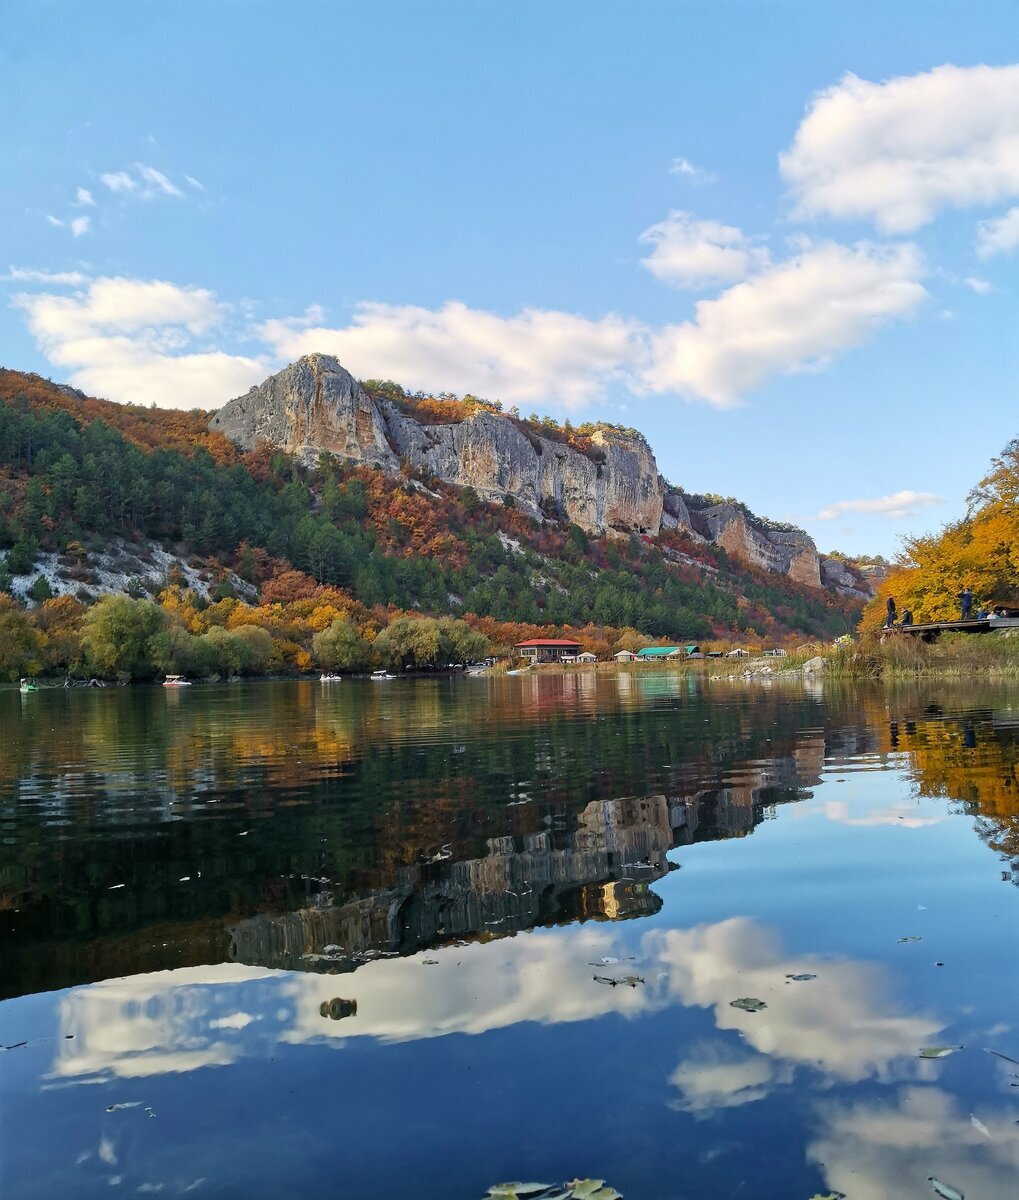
(937, 1051)
(606, 960)
(945, 1190)
(518, 1189)
(582, 1189)
(800, 978)
(748, 1004)
(124, 1104)
(628, 980)
(606, 1193)
(998, 1054)
(979, 1126)
(912, 938)
(829, 1196)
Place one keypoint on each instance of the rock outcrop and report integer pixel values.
(314, 405)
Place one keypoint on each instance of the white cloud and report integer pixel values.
(83, 198)
(685, 168)
(55, 221)
(534, 355)
(793, 316)
(692, 253)
(899, 504)
(119, 181)
(980, 286)
(195, 183)
(141, 181)
(898, 152)
(135, 341)
(999, 235)
(33, 275)
(80, 225)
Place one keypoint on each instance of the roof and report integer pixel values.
(657, 651)
(547, 642)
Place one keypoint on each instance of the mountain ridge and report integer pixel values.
(604, 479)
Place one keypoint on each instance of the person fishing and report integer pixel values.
(890, 612)
(966, 603)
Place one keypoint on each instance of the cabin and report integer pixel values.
(657, 653)
(587, 657)
(738, 652)
(779, 653)
(548, 650)
(622, 656)
(693, 651)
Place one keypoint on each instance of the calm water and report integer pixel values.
(196, 886)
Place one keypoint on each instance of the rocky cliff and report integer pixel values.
(612, 485)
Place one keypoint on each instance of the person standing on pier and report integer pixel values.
(890, 612)
(966, 603)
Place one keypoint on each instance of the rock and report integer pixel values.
(813, 664)
(315, 405)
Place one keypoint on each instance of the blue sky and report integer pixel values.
(780, 239)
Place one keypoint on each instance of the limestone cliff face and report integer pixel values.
(315, 405)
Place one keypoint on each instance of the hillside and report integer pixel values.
(981, 551)
(97, 497)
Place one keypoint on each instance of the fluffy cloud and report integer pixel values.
(998, 236)
(535, 355)
(685, 168)
(83, 198)
(80, 225)
(692, 253)
(900, 504)
(135, 341)
(141, 181)
(793, 316)
(900, 151)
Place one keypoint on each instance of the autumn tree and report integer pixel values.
(118, 636)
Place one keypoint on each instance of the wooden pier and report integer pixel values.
(931, 630)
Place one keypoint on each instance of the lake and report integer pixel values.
(421, 937)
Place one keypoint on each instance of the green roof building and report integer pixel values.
(660, 652)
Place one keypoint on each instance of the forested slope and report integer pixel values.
(76, 472)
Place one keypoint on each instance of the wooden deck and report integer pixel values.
(933, 629)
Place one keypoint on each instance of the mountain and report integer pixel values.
(601, 478)
(244, 517)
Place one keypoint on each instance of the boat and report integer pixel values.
(176, 681)
(29, 685)
(381, 676)
(519, 671)
(328, 677)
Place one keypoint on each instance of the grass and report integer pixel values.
(899, 656)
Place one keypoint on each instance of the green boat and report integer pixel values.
(29, 685)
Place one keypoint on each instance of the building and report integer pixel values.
(655, 653)
(738, 652)
(624, 656)
(587, 657)
(545, 650)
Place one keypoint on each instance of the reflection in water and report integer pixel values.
(238, 911)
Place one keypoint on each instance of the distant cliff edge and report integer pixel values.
(609, 484)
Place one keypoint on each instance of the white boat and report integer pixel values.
(519, 671)
(176, 681)
(29, 685)
(381, 676)
(326, 677)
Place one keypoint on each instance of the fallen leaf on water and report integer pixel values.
(912, 938)
(998, 1054)
(124, 1104)
(980, 1127)
(748, 1004)
(800, 978)
(829, 1196)
(628, 980)
(583, 1188)
(944, 1189)
(937, 1051)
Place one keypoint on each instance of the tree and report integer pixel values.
(20, 643)
(339, 648)
(22, 555)
(119, 637)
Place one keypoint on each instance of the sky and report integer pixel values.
(781, 239)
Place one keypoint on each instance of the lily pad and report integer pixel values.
(937, 1051)
(748, 1004)
(945, 1190)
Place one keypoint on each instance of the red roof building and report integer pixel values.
(547, 649)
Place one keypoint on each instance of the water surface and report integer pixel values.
(196, 887)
